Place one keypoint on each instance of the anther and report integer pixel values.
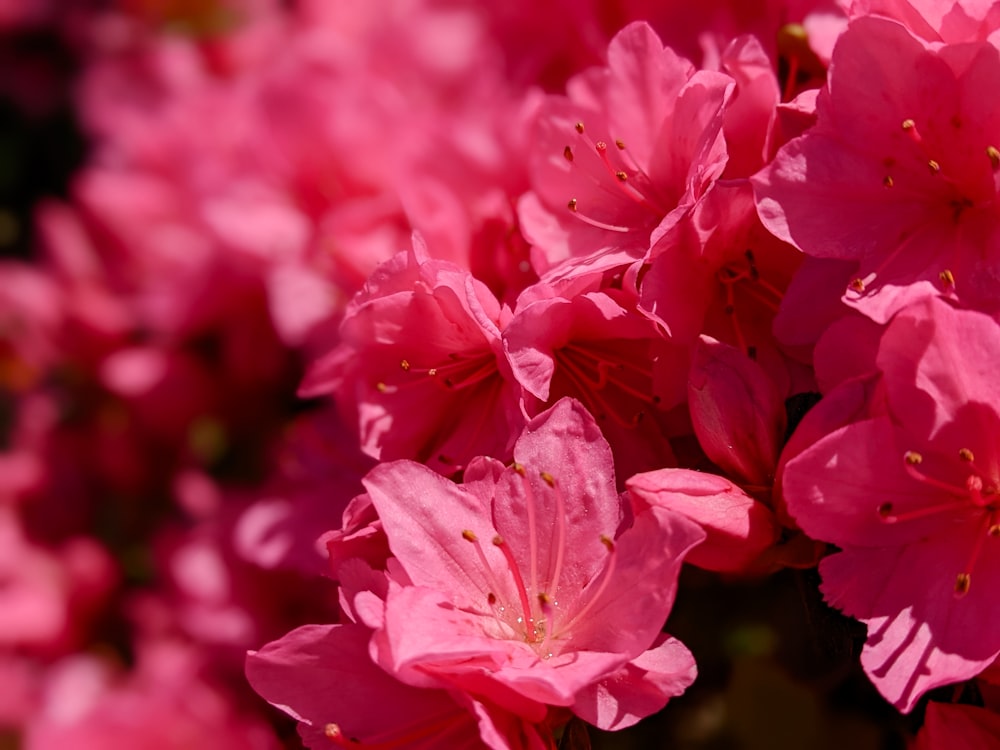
(607, 542)
(947, 277)
(620, 144)
(469, 536)
(885, 511)
(491, 598)
(994, 154)
(548, 478)
(887, 181)
(572, 205)
(544, 599)
(913, 458)
(405, 364)
(621, 175)
(994, 530)
(858, 285)
(962, 583)
(579, 127)
(381, 387)
(519, 468)
(933, 166)
(908, 124)
(966, 455)
(568, 153)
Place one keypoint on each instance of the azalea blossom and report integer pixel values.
(531, 585)
(908, 492)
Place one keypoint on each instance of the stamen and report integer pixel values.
(560, 531)
(620, 144)
(568, 153)
(962, 583)
(572, 205)
(469, 536)
(404, 364)
(947, 278)
(933, 166)
(579, 128)
(887, 181)
(857, 285)
(966, 455)
(530, 634)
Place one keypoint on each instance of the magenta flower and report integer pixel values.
(531, 586)
(908, 491)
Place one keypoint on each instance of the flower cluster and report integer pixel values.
(393, 360)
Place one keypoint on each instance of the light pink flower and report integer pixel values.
(532, 587)
(907, 489)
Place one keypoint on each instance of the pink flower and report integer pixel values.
(907, 490)
(421, 365)
(900, 172)
(322, 676)
(631, 149)
(950, 21)
(598, 348)
(531, 586)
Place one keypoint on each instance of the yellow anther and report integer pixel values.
(994, 153)
(606, 541)
(620, 144)
(519, 468)
(621, 176)
(381, 387)
(908, 124)
(547, 478)
(858, 285)
(966, 455)
(947, 277)
(913, 458)
(962, 583)
(469, 536)
(405, 364)
(933, 166)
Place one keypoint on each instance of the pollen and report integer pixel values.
(913, 458)
(994, 155)
(962, 583)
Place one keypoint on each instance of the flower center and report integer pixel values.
(536, 616)
(981, 497)
(623, 183)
